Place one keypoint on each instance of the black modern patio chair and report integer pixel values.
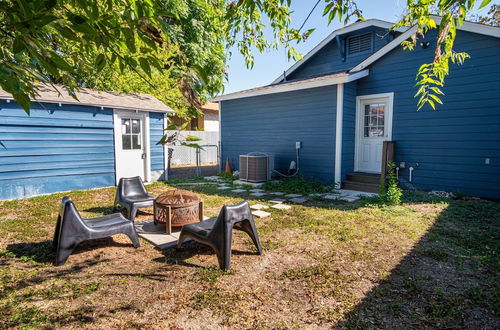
(132, 195)
(72, 229)
(217, 232)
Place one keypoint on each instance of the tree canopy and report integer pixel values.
(156, 45)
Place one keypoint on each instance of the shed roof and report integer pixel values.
(210, 106)
(92, 97)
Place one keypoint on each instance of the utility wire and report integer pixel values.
(309, 15)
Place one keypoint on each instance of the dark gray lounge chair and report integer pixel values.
(132, 195)
(72, 229)
(217, 232)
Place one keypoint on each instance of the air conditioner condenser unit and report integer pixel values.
(256, 167)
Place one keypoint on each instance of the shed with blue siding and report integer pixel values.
(64, 144)
(342, 104)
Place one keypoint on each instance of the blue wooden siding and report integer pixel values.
(348, 129)
(273, 123)
(447, 147)
(54, 149)
(156, 132)
(329, 59)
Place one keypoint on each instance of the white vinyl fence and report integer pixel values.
(183, 155)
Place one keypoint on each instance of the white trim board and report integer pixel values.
(165, 149)
(467, 26)
(220, 135)
(339, 123)
(346, 29)
(329, 80)
(359, 120)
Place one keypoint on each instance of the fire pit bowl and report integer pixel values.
(176, 208)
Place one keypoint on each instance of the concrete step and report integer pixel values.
(360, 186)
(363, 177)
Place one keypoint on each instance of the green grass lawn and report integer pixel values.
(427, 263)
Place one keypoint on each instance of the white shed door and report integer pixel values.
(130, 145)
(374, 126)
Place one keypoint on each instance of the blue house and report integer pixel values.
(66, 144)
(355, 90)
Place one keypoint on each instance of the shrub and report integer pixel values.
(229, 177)
(391, 194)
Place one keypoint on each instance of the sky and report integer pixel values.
(269, 65)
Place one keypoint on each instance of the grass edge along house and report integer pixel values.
(65, 144)
(355, 90)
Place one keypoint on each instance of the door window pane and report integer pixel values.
(125, 126)
(126, 142)
(136, 142)
(131, 134)
(374, 120)
(136, 127)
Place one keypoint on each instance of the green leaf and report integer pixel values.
(435, 98)
(100, 62)
(24, 101)
(484, 3)
(192, 138)
(145, 66)
(192, 145)
(129, 39)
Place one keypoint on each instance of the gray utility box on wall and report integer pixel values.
(256, 167)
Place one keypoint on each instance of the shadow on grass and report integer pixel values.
(44, 252)
(448, 280)
(189, 249)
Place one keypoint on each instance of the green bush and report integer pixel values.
(391, 195)
(229, 177)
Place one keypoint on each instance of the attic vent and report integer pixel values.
(358, 44)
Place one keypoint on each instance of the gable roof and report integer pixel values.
(479, 28)
(319, 81)
(95, 98)
(346, 29)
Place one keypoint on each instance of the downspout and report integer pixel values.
(338, 135)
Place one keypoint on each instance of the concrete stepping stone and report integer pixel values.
(298, 200)
(261, 214)
(258, 194)
(238, 191)
(259, 207)
(293, 195)
(331, 197)
(194, 183)
(257, 190)
(212, 178)
(223, 187)
(349, 199)
(277, 193)
(281, 207)
(277, 200)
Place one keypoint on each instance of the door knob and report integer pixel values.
(143, 156)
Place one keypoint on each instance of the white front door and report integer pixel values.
(373, 127)
(131, 147)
